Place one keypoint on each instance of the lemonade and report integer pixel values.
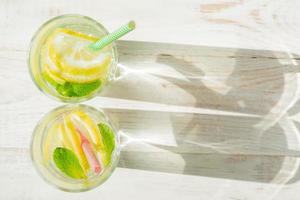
(75, 148)
(61, 62)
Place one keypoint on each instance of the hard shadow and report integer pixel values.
(236, 80)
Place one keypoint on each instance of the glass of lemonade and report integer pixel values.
(75, 147)
(62, 65)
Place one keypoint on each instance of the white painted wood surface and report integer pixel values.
(206, 101)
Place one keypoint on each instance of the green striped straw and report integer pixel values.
(113, 36)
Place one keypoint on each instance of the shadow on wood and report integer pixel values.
(264, 148)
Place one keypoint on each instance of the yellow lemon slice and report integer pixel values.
(74, 139)
(74, 62)
(50, 71)
(51, 141)
(92, 129)
(64, 137)
(52, 75)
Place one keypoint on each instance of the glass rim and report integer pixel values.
(111, 168)
(71, 99)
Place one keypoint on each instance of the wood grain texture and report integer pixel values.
(207, 105)
(252, 24)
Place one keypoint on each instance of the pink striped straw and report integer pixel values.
(87, 149)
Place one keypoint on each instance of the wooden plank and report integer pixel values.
(256, 24)
(17, 172)
(220, 78)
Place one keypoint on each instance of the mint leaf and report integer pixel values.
(85, 89)
(66, 90)
(108, 138)
(68, 163)
(72, 89)
(77, 89)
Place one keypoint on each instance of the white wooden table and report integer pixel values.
(206, 102)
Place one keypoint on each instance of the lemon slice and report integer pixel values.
(103, 141)
(52, 76)
(52, 139)
(74, 62)
(92, 129)
(74, 139)
(51, 73)
(64, 137)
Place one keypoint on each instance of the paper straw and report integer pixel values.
(123, 30)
